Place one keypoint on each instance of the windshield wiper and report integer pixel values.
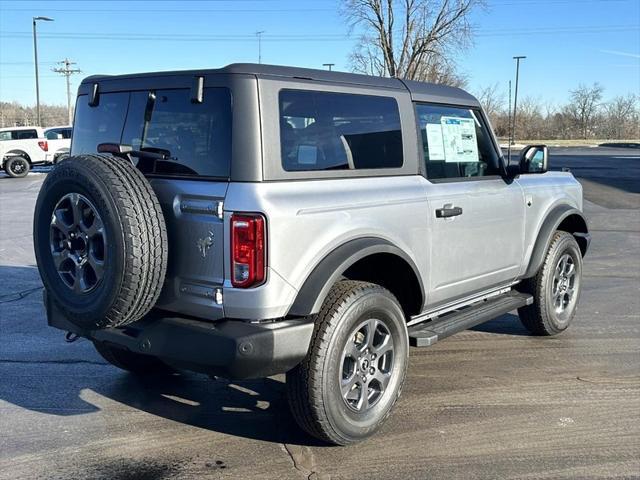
(126, 152)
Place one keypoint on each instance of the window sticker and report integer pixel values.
(434, 141)
(459, 137)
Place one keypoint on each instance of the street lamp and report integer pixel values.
(259, 35)
(35, 55)
(328, 65)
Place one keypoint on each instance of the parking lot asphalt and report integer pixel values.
(493, 402)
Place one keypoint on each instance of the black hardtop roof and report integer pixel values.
(417, 89)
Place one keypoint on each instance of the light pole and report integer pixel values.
(35, 55)
(328, 65)
(259, 35)
(515, 97)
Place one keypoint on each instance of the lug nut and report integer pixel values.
(373, 356)
(364, 378)
(372, 370)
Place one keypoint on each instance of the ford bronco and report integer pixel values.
(256, 220)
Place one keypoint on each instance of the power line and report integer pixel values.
(320, 37)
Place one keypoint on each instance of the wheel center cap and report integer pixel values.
(364, 364)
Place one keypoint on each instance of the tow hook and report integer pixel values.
(71, 337)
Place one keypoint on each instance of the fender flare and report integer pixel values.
(318, 283)
(16, 152)
(550, 224)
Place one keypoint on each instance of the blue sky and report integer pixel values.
(566, 42)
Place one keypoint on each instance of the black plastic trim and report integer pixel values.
(233, 349)
(317, 285)
(549, 226)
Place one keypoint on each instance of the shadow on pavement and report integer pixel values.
(42, 373)
(508, 324)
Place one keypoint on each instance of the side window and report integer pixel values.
(66, 133)
(456, 143)
(100, 124)
(5, 135)
(196, 137)
(337, 131)
(25, 134)
(52, 134)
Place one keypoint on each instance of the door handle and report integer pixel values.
(448, 211)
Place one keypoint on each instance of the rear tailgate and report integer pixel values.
(193, 213)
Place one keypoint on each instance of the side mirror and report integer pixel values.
(534, 159)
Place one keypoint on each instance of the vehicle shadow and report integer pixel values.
(42, 373)
(508, 324)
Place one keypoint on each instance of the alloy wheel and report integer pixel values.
(78, 243)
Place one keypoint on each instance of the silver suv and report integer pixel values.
(256, 220)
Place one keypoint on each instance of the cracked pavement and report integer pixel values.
(492, 402)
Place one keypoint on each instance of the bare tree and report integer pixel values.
(412, 39)
(621, 119)
(584, 105)
(492, 100)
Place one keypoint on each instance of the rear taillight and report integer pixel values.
(44, 145)
(248, 248)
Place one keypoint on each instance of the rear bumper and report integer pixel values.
(229, 348)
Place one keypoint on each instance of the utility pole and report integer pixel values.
(328, 65)
(67, 71)
(35, 56)
(515, 98)
(259, 35)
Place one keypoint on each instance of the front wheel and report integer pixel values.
(17, 167)
(353, 374)
(555, 288)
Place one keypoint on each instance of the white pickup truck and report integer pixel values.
(23, 147)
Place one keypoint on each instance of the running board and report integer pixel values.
(428, 333)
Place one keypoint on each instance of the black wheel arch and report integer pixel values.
(565, 218)
(16, 153)
(370, 259)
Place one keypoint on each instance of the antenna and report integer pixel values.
(67, 71)
(515, 98)
(509, 128)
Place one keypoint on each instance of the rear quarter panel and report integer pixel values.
(306, 220)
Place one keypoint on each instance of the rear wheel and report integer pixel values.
(17, 167)
(132, 362)
(555, 288)
(352, 376)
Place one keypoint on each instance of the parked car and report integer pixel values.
(21, 148)
(59, 139)
(256, 220)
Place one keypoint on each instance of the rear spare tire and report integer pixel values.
(100, 241)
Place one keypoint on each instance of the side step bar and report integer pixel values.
(428, 333)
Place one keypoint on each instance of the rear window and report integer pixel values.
(337, 131)
(195, 137)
